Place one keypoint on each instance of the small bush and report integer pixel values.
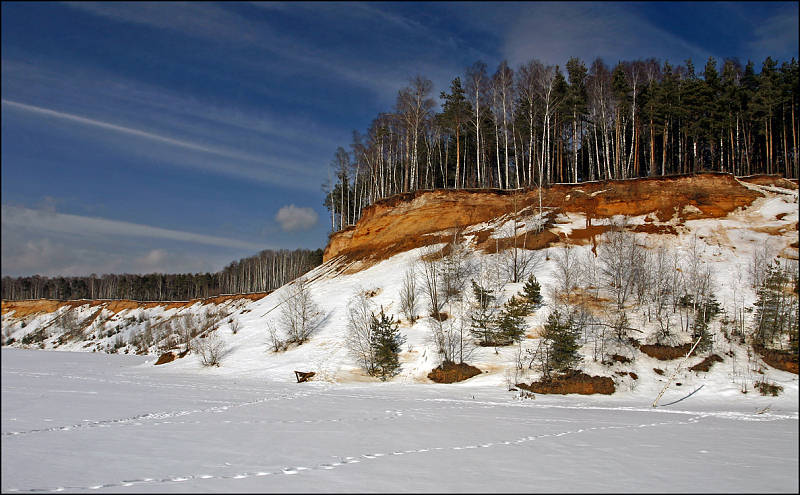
(210, 349)
(616, 358)
(768, 388)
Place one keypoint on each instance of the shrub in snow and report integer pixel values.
(209, 349)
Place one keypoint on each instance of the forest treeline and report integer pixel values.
(538, 125)
(262, 272)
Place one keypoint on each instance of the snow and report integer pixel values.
(84, 422)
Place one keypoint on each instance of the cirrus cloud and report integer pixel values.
(292, 218)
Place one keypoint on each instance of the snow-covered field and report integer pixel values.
(83, 422)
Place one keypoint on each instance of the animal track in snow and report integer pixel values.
(354, 460)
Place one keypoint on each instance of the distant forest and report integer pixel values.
(533, 126)
(263, 272)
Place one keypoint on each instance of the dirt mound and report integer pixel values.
(421, 218)
(452, 372)
(573, 383)
(165, 358)
(781, 360)
(706, 363)
(665, 352)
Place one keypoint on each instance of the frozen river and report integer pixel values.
(83, 422)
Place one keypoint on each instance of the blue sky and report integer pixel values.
(172, 137)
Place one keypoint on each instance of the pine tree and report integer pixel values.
(562, 343)
(511, 322)
(532, 292)
(386, 342)
(456, 111)
(483, 320)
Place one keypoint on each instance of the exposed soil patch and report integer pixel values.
(650, 228)
(573, 383)
(620, 359)
(165, 358)
(451, 372)
(628, 373)
(665, 352)
(658, 371)
(706, 363)
(531, 241)
(582, 237)
(411, 220)
(36, 306)
(770, 180)
(781, 360)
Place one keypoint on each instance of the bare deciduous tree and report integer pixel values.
(759, 262)
(451, 336)
(358, 340)
(300, 316)
(430, 267)
(621, 260)
(567, 273)
(408, 296)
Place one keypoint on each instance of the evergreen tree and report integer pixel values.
(511, 321)
(456, 112)
(705, 312)
(562, 343)
(483, 325)
(576, 104)
(532, 292)
(386, 342)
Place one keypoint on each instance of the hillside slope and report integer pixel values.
(728, 223)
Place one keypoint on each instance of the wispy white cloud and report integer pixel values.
(380, 65)
(554, 32)
(200, 19)
(777, 36)
(99, 92)
(127, 130)
(64, 223)
(267, 166)
(292, 218)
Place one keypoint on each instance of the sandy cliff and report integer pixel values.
(410, 220)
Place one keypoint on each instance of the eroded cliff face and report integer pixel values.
(410, 220)
(30, 307)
